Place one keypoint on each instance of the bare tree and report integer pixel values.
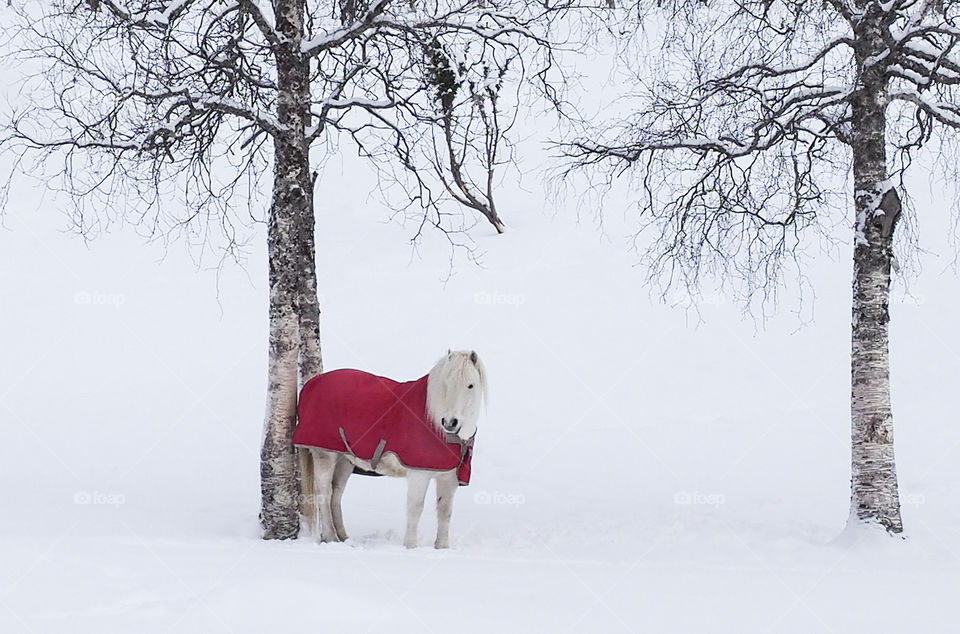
(169, 113)
(758, 111)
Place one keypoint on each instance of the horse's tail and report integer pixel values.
(308, 489)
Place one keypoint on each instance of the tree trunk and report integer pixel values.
(278, 471)
(874, 494)
(294, 311)
(311, 360)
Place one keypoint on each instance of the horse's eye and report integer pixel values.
(470, 387)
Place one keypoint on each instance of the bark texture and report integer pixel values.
(308, 309)
(278, 471)
(874, 492)
(294, 309)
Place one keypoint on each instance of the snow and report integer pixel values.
(638, 469)
(357, 101)
(265, 119)
(324, 39)
(719, 452)
(164, 16)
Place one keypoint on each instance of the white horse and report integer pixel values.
(456, 388)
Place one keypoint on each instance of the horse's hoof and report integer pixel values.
(441, 546)
(409, 545)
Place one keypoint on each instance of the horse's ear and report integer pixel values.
(473, 357)
(449, 353)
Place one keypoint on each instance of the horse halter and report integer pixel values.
(466, 446)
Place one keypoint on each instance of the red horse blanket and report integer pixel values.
(365, 415)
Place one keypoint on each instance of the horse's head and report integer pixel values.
(456, 389)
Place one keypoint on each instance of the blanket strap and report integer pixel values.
(466, 447)
(378, 453)
(343, 437)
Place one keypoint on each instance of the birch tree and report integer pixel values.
(759, 111)
(176, 114)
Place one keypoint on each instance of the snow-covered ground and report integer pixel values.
(637, 469)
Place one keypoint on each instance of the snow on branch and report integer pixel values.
(424, 85)
(340, 34)
(742, 135)
(172, 82)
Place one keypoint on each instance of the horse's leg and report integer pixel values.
(340, 474)
(325, 462)
(308, 489)
(447, 485)
(417, 482)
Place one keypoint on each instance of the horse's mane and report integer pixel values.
(452, 366)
